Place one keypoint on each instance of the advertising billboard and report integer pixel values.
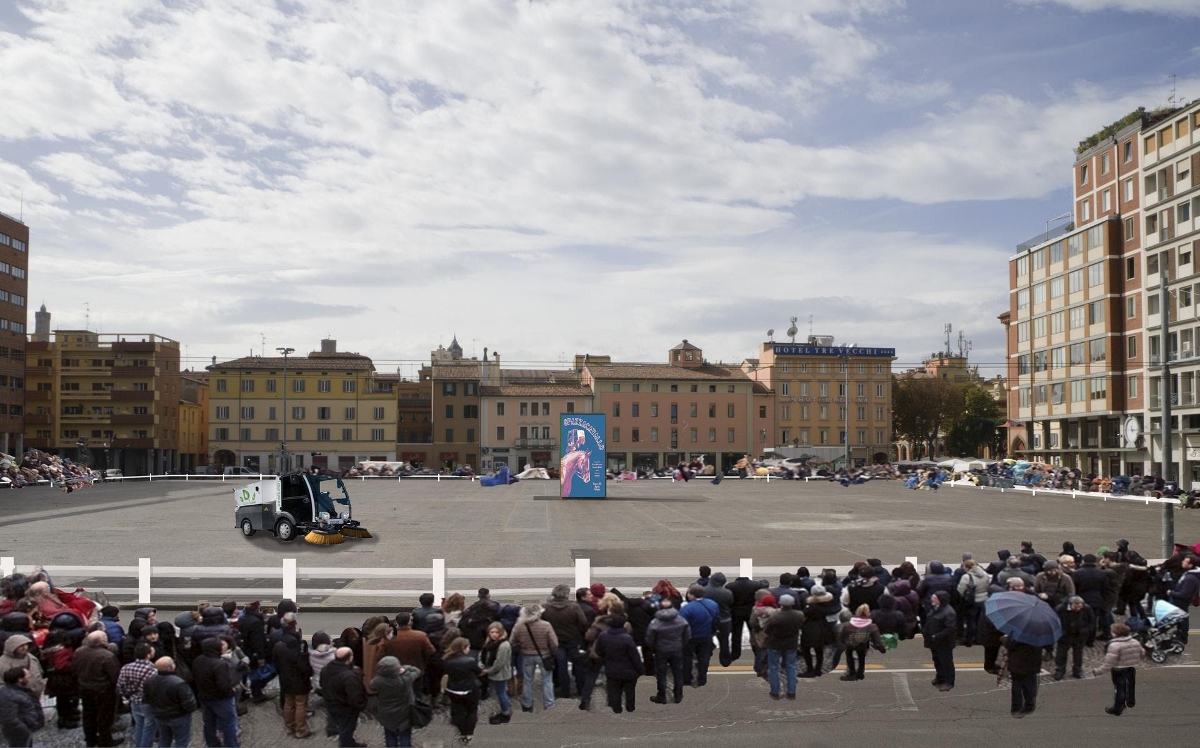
(581, 470)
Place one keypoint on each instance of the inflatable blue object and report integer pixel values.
(499, 479)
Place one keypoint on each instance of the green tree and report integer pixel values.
(923, 407)
(976, 427)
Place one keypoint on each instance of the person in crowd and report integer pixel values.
(570, 626)
(640, 612)
(886, 617)
(1068, 549)
(20, 713)
(664, 590)
(496, 659)
(172, 702)
(252, 631)
(1078, 631)
(989, 637)
(380, 631)
(783, 639)
(1186, 591)
(320, 654)
(865, 590)
(1052, 585)
(476, 618)
(1024, 664)
(908, 602)
(462, 671)
(452, 609)
(935, 580)
(131, 681)
(97, 669)
(940, 639)
(422, 613)
(855, 637)
(536, 643)
(741, 605)
(818, 632)
(58, 662)
(1092, 584)
(764, 607)
(666, 636)
(290, 655)
(345, 696)
(216, 681)
(110, 616)
(717, 591)
(409, 646)
(702, 616)
(394, 683)
(972, 592)
(1122, 656)
(1013, 570)
(18, 652)
(617, 652)
(705, 576)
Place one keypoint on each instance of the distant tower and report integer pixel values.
(456, 351)
(41, 325)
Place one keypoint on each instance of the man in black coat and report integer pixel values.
(20, 713)
(742, 589)
(1092, 584)
(290, 656)
(171, 700)
(253, 629)
(723, 597)
(1024, 664)
(940, 638)
(1078, 631)
(216, 676)
(345, 696)
(616, 650)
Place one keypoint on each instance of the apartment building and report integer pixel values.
(826, 395)
(519, 421)
(414, 413)
(14, 293)
(193, 421)
(1169, 149)
(280, 413)
(108, 400)
(661, 414)
(454, 385)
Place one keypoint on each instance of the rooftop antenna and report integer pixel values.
(263, 335)
(87, 315)
(1173, 97)
(771, 335)
(810, 317)
(791, 331)
(21, 215)
(947, 328)
(964, 345)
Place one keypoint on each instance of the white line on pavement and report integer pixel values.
(903, 694)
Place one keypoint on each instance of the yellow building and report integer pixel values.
(193, 421)
(322, 410)
(111, 401)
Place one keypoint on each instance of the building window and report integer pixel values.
(1127, 190)
(297, 385)
(879, 390)
(879, 412)
(323, 435)
(695, 388)
(472, 411)
(1131, 347)
(635, 387)
(347, 435)
(729, 410)
(616, 387)
(524, 409)
(298, 413)
(499, 408)
(272, 435)
(695, 435)
(323, 414)
(730, 435)
(471, 389)
(377, 435)
(247, 385)
(221, 385)
(500, 433)
(449, 410)
(1133, 387)
(1127, 151)
(1096, 274)
(762, 411)
(654, 435)
(712, 435)
(245, 434)
(351, 414)
(247, 413)
(347, 385)
(222, 434)
(785, 389)
(616, 435)
(323, 385)
(1099, 388)
(450, 388)
(379, 413)
(824, 435)
(1083, 174)
(1104, 165)
(654, 410)
(693, 411)
(616, 410)
(636, 435)
(570, 406)
(449, 436)
(222, 412)
(471, 435)
(635, 409)
(299, 434)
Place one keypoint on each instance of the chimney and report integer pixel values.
(214, 363)
(328, 345)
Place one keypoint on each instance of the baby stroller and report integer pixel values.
(1161, 634)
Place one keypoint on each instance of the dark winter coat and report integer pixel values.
(667, 632)
(888, 619)
(1023, 659)
(639, 612)
(1078, 627)
(567, 619)
(252, 627)
(721, 595)
(940, 624)
(863, 591)
(212, 623)
(290, 656)
(987, 635)
(783, 629)
(1092, 584)
(743, 589)
(616, 650)
(463, 673)
(214, 676)
(935, 581)
(908, 602)
(817, 632)
(395, 697)
(701, 615)
(112, 627)
(96, 669)
(1187, 589)
(20, 715)
(168, 696)
(343, 686)
(421, 615)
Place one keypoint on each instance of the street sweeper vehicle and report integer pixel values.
(295, 504)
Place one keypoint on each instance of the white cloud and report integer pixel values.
(1166, 7)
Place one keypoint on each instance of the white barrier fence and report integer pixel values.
(437, 576)
(1034, 491)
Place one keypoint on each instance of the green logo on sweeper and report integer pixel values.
(244, 497)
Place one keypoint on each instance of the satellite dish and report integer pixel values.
(771, 334)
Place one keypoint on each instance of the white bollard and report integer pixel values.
(144, 581)
(746, 568)
(912, 560)
(439, 579)
(289, 578)
(583, 572)
(7, 565)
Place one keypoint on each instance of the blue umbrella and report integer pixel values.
(1026, 618)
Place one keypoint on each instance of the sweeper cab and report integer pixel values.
(296, 504)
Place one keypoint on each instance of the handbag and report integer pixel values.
(420, 713)
(890, 641)
(547, 660)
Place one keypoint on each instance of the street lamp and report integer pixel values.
(284, 463)
(845, 356)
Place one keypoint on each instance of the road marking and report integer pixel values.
(903, 694)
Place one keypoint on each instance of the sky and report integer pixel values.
(546, 178)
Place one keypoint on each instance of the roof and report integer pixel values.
(536, 390)
(664, 371)
(328, 362)
(685, 346)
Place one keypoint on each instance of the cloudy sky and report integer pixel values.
(546, 177)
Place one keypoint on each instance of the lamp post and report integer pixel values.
(845, 356)
(1168, 510)
(284, 462)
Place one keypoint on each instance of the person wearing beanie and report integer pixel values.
(110, 616)
(765, 606)
(320, 654)
(666, 637)
(818, 631)
(618, 653)
(723, 597)
(394, 684)
(1052, 585)
(702, 615)
(939, 634)
(782, 632)
(598, 590)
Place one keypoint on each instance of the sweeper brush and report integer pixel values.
(318, 537)
(355, 532)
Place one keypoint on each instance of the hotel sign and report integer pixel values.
(832, 350)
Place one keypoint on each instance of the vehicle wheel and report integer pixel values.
(1158, 656)
(248, 527)
(285, 530)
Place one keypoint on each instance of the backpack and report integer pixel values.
(475, 621)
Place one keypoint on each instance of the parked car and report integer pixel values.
(232, 470)
(113, 474)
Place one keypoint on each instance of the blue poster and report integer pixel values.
(581, 470)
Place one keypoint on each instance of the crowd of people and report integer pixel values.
(451, 654)
(37, 467)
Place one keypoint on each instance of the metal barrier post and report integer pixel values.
(7, 565)
(143, 581)
(439, 579)
(912, 560)
(583, 572)
(746, 568)
(289, 578)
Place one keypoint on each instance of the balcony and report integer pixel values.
(42, 395)
(133, 395)
(534, 443)
(38, 418)
(37, 444)
(134, 346)
(37, 371)
(134, 371)
(133, 419)
(133, 444)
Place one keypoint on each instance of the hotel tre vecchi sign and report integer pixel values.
(782, 349)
